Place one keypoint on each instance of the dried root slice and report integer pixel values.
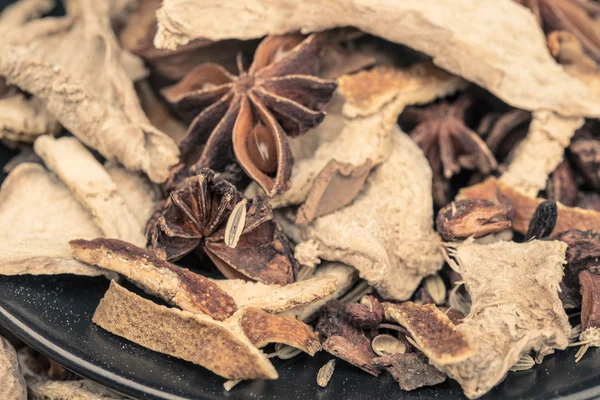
(43, 389)
(515, 308)
(263, 328)
(411, 370)
(276, 298)
(524, 206)
(335, 187)
(363, 134)
(24, 120)
(363, 236)
(179, 286)
(40, 216)
(520, 72)
(325, 373)
(222, 348)
(91, 185)
(12, 383)
(432, 331)
(345, 277)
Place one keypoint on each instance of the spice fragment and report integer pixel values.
(325, 373)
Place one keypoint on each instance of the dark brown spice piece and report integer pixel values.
(590, 306)
(583, 253)
(472, 217)
(253, 114)
(59, 373)
(586, 155)
(543, 221)
(562, 186)
(503, 132)
(588, 200)
(411, 370)
(195, 215)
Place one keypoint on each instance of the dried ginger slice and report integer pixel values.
(524, 206)
(189, 291)
(12, 384)
(345, 276)
(82, 389)
(433, 332)
(365, 132)
(277, 298)
(76, 68)
(540, 152)
(480, 40)
(394, 207)
(263, 328)
(40, 216)
(92, 186)
(515, 308)
(222, 348)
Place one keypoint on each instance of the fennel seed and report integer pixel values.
(235, 224)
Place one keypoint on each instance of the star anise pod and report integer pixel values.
(575, 16)
(249, 117)
(448, 143)
(196, 214)
(502, 132)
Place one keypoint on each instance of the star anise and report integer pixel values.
(502, 132)
(195, 215)
(448, 143)
(575, 16)
(250, 116)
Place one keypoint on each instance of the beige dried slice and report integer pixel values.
(40, 216)
(325, 373)
(12, 383)
(515, 308)
(345, 276)
(221, 348)
(76, 68)
(83, 389)
(394, 207)
(524, 206)
(140, 195)
(26, 155)
(540, 152)
(355, 139)
(189, 291)
(277, 298)
(335, 187)
(91, 185)
(263, 328)
(480, 40)
(25, 119)
(433, 332)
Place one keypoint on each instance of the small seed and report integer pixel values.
(543, 220)
(525, 362)
(305, 272)
(285, 352)
(325, 373)
(458, 301)
(235, 224)
(435, 287)
(231, 384)
(387, 345)
(575, 332)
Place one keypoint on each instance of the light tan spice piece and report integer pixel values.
(12, 383)
(83, 389)
(435, 287)
(235, 224)
(222, 348)
(387, 345)
(481, 40)
(325, 373)
(525, 362)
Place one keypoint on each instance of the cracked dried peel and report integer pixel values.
(515, 308)
(433, 332)
(222, 348)
(189, 291)
(394, 207)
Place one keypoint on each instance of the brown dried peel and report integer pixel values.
(473, 217)
(42, 216)
(179, 286)
(433, 332)
(222, 348)
(410, 370)
(394, 207)
(75, 67)
(515, 308)
(276, 298)
(524, 206)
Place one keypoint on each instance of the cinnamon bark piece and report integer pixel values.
(221, 348)
(12, 383)
(524, 206)
(478, 40)
(41, 215)
(75, 67)
(335, 187)
(515, 308)
(91, 185)
(190, 291)
(394, 207)
(277, 298)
